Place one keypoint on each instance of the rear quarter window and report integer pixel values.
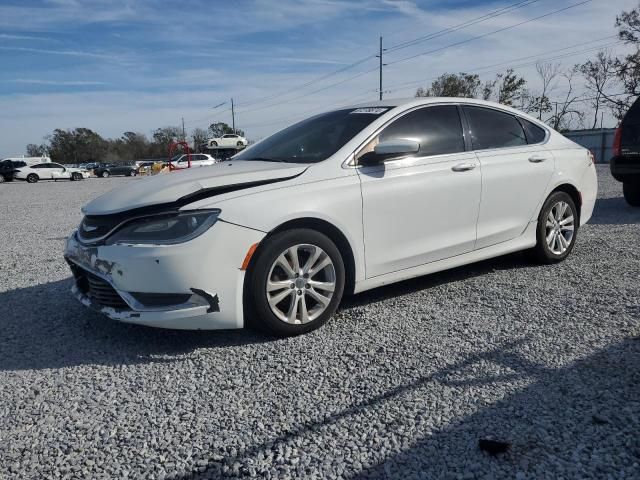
(494, 129)
(534, 133)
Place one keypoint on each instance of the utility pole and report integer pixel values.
(233, 117)
(380, 57)
(184, 137)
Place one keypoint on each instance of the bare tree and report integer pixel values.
(566, 113)
(599, 75)
(548, 73)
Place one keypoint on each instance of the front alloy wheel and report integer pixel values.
(301, 283)
(295, 283)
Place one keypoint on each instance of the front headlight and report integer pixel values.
(165, 229)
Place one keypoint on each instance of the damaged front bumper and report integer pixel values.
(194, 285)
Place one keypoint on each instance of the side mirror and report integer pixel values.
(388, 150)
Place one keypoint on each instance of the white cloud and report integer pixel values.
(334, 33)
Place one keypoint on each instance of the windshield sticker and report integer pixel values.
(371, 110)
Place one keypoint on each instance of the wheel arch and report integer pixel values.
(573, 192)
(332, 232)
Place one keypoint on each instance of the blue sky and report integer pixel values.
(122, 65)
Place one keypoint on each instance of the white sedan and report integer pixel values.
(344, 201)
(50, 171)
(230, 140)
(197, 160)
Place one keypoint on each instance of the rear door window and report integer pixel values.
(494, 129)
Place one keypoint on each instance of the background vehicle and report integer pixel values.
(7, 168)
(29, 160)
(228, 140)
(625, 164)
(49, 171)
(277, 234)
(109, 169)
(197, 160)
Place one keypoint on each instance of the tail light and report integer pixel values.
(617, 142)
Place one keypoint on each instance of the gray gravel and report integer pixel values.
(401, 384)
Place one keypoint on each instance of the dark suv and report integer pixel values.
(7, 167)
(625, 164)
(113, 169)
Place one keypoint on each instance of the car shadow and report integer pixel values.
(614, 211)
(45, 327)
(406, 287)
(556, 416)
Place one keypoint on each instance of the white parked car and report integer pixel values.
(344, 201)
(230, 140)
(197, 160)
(50, 171)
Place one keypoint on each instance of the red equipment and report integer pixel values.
(172, 148)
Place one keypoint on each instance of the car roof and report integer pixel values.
(410, 102)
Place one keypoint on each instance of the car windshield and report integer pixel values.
(314, 139)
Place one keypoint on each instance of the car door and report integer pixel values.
(423, 208)
(515, 173)
(43, 171)
(57, 171)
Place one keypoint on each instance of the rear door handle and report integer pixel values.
(463, 167)
(536, 159)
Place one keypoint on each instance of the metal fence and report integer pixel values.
(599, 141)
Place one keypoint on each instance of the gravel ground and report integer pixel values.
(402, 383)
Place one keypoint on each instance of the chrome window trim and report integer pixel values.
(351, 158)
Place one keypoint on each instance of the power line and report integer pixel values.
(478, 37)
(487, 16)
(306, 84)
(509, 63)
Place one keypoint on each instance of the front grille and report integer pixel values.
(103, 294)
(98, 290)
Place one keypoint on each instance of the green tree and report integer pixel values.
(217, 129)
(199, 136)
(34, 150)
(76, 146)
(452, 85)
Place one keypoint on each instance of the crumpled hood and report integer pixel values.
(167, 188)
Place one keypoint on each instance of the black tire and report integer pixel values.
(105, 174)
(631, 193)
(215, 144)
(129, 173)
(2, 179)
(542, 252)
(32, 178)
(258, 311)
(239, 144)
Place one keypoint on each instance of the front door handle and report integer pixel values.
(463, 167)
(536, 159)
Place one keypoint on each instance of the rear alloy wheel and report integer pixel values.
(32, 178)
(631, 193)
(297, 282)
(558, 224)
(239, 144)
(105, 175)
